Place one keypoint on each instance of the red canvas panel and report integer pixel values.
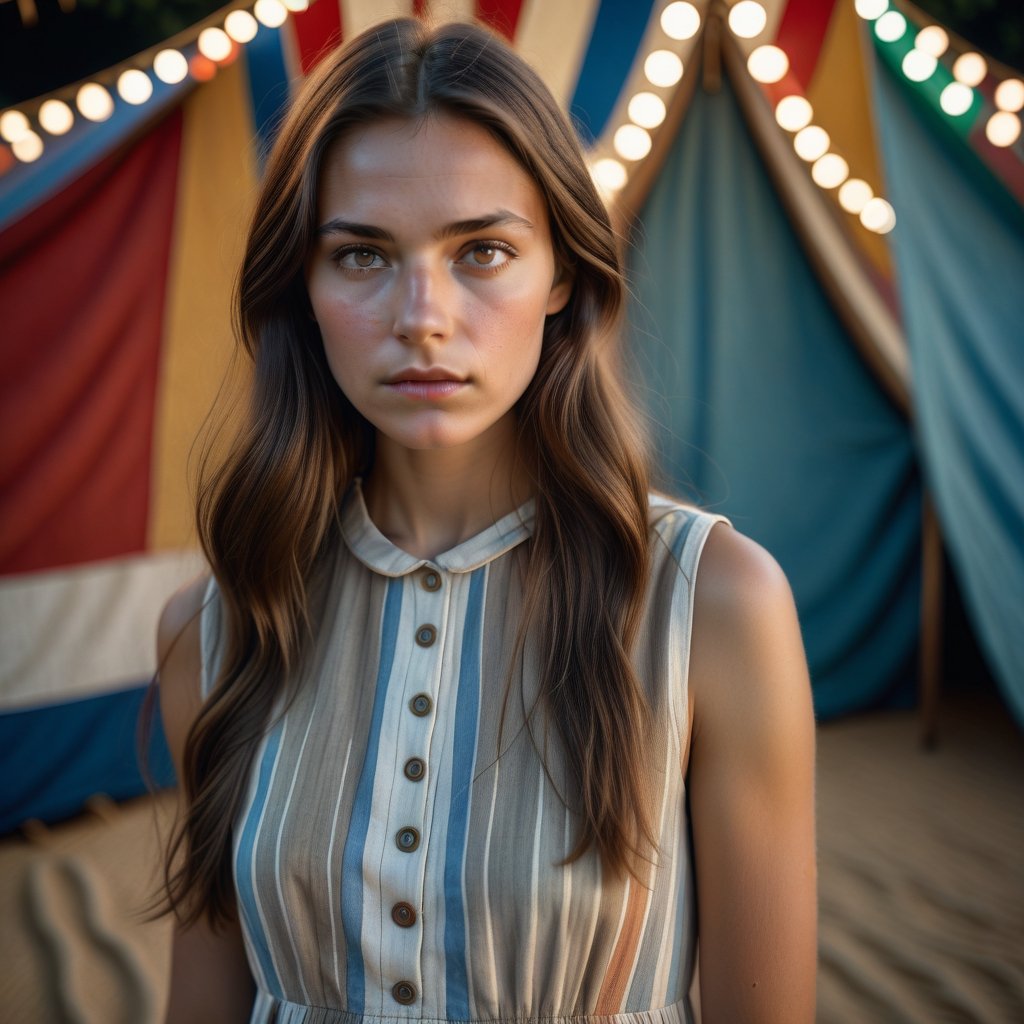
(318, 29)
(501, 15)
(801, 34)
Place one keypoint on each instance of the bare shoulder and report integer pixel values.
(179, 661)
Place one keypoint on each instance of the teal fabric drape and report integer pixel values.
(959, 245)
(763, 410)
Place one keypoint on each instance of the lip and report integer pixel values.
(427, 389)
(431, 375)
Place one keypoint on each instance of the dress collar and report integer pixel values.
(376, 552)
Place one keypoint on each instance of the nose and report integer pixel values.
(422, 305)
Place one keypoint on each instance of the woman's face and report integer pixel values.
(430, 278)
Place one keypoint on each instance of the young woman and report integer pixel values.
(461, 731)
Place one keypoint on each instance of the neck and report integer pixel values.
(427, 502)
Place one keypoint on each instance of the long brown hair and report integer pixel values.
(268, 513)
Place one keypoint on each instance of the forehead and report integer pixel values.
(441, 161)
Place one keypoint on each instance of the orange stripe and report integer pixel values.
(620, 967)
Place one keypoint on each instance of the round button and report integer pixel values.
(421, 704)
(403, 915)
(404, 992)
(426, 635)
(415, 769)
(431, 580)
(407, 839)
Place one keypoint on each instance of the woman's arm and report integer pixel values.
(210, 978)
(751, 783)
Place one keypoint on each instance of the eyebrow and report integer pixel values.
(500, 218)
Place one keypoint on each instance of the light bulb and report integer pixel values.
(793, 113)
(271, 13)
(830, 171)
(747, 19)
(609, 174)
(932, 39)
(854, 195)
(56, 117)
(241, 26)
(1010, 95)
(28, 148)
(14, 125)
(663, 68)
(891, 26)
(632, 142)
(767, 64)
(170, 66)
(919, 66)
(956, 99)
(94, 102)
(646, 110)
(214, 44)
(811, 142)
(1003, 128)
(878, 216)
(871, 9)
(134, 86)
(970, 68)
(680, 21)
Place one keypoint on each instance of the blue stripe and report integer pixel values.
(467, 709)
(244, 877)
(359, 825)
(614, 41)
(268, 86)
(680, 541)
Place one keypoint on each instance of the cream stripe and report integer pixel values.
(335, 909)
(563, 918)
(489, 997)
(554, 39)
(530, 950)
(283, 817)
(73, 633)
(358, 15)
(452, 10)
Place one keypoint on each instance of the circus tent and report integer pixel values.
(824, 202)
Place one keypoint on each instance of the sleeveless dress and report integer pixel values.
(392, 863)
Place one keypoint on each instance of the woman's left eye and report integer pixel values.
(488, 255)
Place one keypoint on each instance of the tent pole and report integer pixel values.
(932, 585)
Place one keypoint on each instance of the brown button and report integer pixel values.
(407, 839)
(426, 635)
(421, 704)
(403, 915)
(415, 769)
(404, 992)
(431, 580)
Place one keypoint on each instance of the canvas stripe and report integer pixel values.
(463, 762)
(500, 15)
(245, 881)
(355, 843)
(554, 39)
(319, 28)
(801, 33)
(359, 15)
(268, 79)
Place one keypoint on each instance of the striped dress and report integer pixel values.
(392, 863)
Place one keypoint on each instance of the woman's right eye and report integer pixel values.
(360, 258)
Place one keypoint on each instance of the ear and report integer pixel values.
(561, 289)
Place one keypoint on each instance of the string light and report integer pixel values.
(933, 40)
(646, 110)
(297, 6)
(1009, 95)
(28, 147)
(1003, 128)
(214, 44)
(14, 126)
(134, 86)
(854, 194)
(869, 10)
(747, 19)
(241, 26)
(609, 174)
(663, 68)
(56, 117)
(271, 13)
(956, 99)
(94, 102)
(680, 21)
(878, 216)
(830, 171)
(811, 142)
(632, 142)
(970, 68)
(170, 66)
(767, 64)
(793, 113)
(919, 66)
(891, 26)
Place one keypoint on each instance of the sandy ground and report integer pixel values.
(921, 876)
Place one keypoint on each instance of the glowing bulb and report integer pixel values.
(933, 40)
(632, 142)
(970, 69)
(271, 13)
(241, 26)
(214, 44)
(871, 9)
(891, 26)
(767, 64)
(170, 66)
(1010, 95)
(134, 86)
(663, 68)
(28, 147)
(830, 171)
(811, 142)
(918, 65)
(94, 102)
(14, 125)
(55, 117)
(793, 113)
(680, 21)
(878, 216)
(1003, 128)
(854, 195)
(646, 110)
(747, 19)
(609, 174)
(297, 6)
(956, 99)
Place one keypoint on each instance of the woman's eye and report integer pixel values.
(488, 256)
(360, 259)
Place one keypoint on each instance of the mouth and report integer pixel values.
(434, 383)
